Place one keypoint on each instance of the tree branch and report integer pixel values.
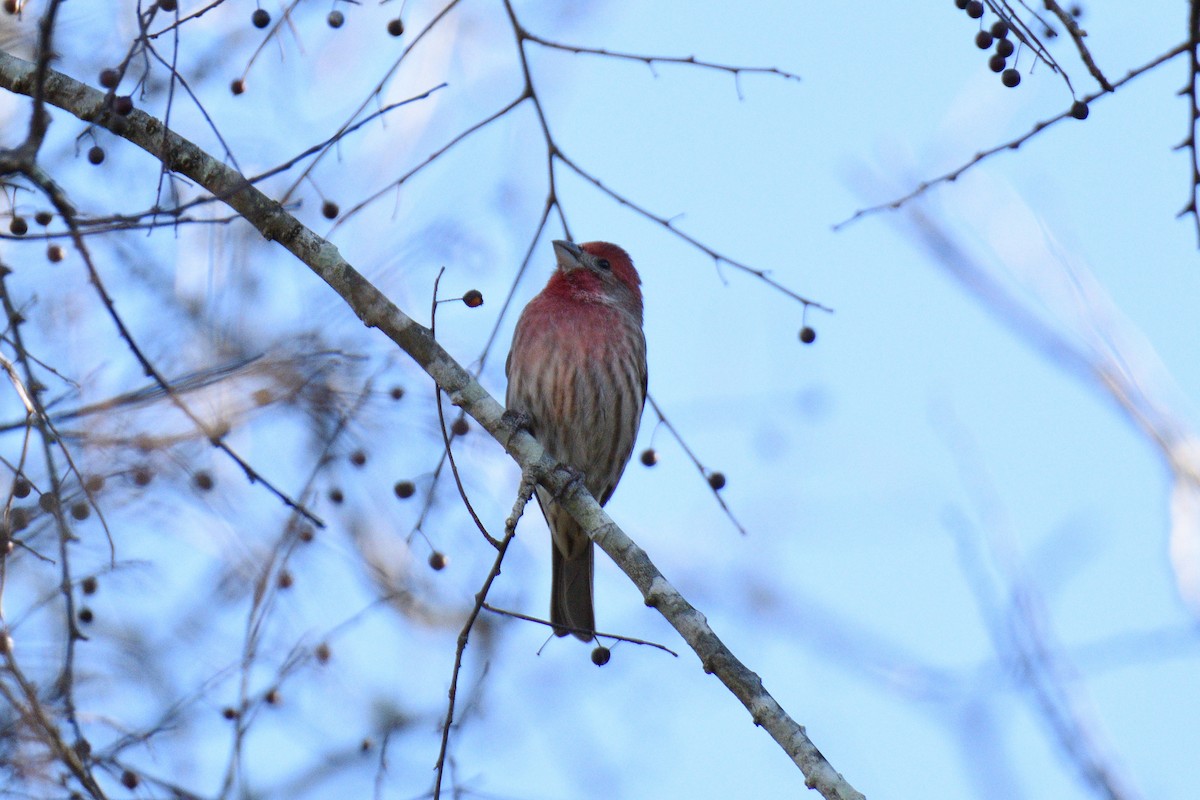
(377, 311)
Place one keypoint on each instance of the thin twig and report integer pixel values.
(526, 490)
(1012, 144)
(1192, 92)
(446, 436)
(704, 471)
(1076, 33)
(649, 60)
(599, 635)
(214, 436)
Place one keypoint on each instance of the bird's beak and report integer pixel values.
(568, 254)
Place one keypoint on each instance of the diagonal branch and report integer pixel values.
(1076, 33)
(376, 311)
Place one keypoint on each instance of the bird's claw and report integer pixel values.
(516, 421)
(574, 479)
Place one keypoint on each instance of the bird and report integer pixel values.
(577, 378)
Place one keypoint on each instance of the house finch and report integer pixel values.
(577, 370)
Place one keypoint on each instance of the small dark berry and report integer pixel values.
(983, 40)
(1076, 11)
(335, 19)
(473, 298)
(974, 9)
(238, 86)
(997, 63)
(396, 392)
(43, 218)
(322, 653)
(307, 534)
(86, 616)
(460, 426)
(336, 496)
(358, 458)
(600, 655)
(1010, 78)
(1050, 33)
(404, 489)
(365, 745)
(54, 253)
(395, 27)
(272, 697)
(260, 18)
(961, 4)
(21, 488)
(18, 519)
(1000, 29)
(229, 712)
(142, 476)
(129, 779)
(716, 480)
(1079, 110)
(18, 226)
(1005, 48)
(203, 480)
(329, 209)
(11, 6)
(649, 457)
(96, 154)
(168, 5)
(89, 584)
(109, 78)
(437, 560)
(285, 580)
(81, 510)
(123, 105)
(94, 483)
(808, 335)
(48, 502)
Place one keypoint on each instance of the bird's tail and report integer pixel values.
(571, 580)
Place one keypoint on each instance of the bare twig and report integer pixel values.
(599, 635)
(1012, 144)
(460, 649)
(704, 471)
(651, 60)
(1076, 33)
(446, 434)
(213, 434)
(1192, 93)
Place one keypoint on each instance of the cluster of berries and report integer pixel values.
(997, 38)
(997, 35)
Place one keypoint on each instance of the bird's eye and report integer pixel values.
(602, 263)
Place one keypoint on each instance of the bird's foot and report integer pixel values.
(516, 421)
(574, 479)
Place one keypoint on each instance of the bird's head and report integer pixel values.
(599, 270)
